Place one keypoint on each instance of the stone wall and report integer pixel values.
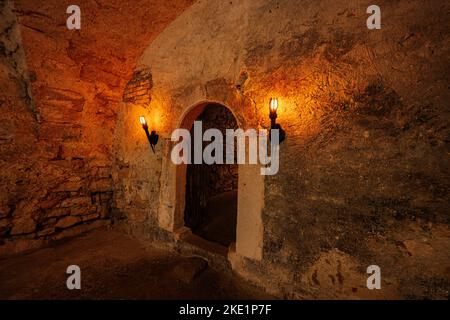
(364, 170)
(18, 129)
(61, 91)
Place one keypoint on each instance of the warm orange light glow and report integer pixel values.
(156, 118)
(273, 104)
(142, 120)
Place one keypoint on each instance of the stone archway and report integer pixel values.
(183, 207)
(211, 189)
(249, 229)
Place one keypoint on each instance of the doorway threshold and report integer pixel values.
(188, 237)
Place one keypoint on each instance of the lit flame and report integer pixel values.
(273, 105)
(142, 120)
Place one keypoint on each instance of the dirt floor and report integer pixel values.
(113, 266)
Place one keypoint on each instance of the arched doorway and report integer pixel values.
(171, 210)
(211, 189)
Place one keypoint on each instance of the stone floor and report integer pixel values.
(114, 266)
(220, 221)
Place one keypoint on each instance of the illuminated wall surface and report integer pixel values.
(363, 173)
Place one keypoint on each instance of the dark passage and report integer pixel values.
(211, 190)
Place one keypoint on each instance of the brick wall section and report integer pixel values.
(60, 94)
(138, 89)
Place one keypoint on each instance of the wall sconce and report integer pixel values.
(152, 137)
(273, 107)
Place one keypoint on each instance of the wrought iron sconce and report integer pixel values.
(152, 137)
(273, 107)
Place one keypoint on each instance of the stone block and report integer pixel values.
(89, 217)
(76, 201)
(49, 202)
(57, 212)
(79, 211)
(70, 186)
(63, 132)
(101, 185)
(46, 232)
(102, 172)
(23, 225)
(67, 222)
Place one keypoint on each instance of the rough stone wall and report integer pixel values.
(18, 129)
(364, 171)
(61, 92)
